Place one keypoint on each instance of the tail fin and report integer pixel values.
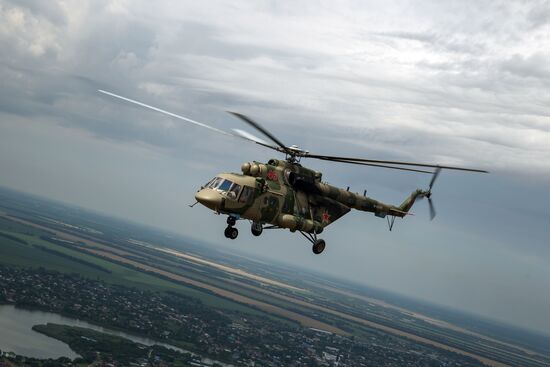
(404, 208)
(409, 202)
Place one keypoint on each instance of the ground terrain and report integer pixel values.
(38, 233)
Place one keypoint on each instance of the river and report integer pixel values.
(16, 334)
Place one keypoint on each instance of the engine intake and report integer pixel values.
(302, 182)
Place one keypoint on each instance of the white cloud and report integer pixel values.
(447, 72)
(461, 83)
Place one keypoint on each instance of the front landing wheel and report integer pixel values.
(231, 232)
(318, 246)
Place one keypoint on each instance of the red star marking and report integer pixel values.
(326, 217)
(272, 175)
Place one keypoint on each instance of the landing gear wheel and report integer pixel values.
(256, 228)
(231, 232)
(231, 221)
(318, 246)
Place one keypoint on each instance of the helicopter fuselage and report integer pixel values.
(287, 195)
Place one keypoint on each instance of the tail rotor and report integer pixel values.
(432, 209)
(428, 193)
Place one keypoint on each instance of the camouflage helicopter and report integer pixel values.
(283, 194)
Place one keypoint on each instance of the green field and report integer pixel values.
(14, 253)
(88, 343)
(9, 226)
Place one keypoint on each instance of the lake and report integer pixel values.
(16, 334)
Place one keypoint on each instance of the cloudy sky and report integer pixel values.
(464, 82)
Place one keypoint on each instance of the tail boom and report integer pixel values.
(367, 204)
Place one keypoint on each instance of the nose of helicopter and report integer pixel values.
(209, 198)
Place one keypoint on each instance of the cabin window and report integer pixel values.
(246, 194)
(234, 191)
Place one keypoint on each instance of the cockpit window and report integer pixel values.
(214, 183)
(225, 185)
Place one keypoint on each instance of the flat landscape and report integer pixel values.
(35, 233)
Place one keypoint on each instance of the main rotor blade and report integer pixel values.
(165, 112)
(254, 139)
(258, 127)
(249, 136)
(377, 165)
(349, 159)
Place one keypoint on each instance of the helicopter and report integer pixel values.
(283, 194)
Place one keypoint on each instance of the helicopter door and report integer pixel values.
(269, 207)
(302, 205)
